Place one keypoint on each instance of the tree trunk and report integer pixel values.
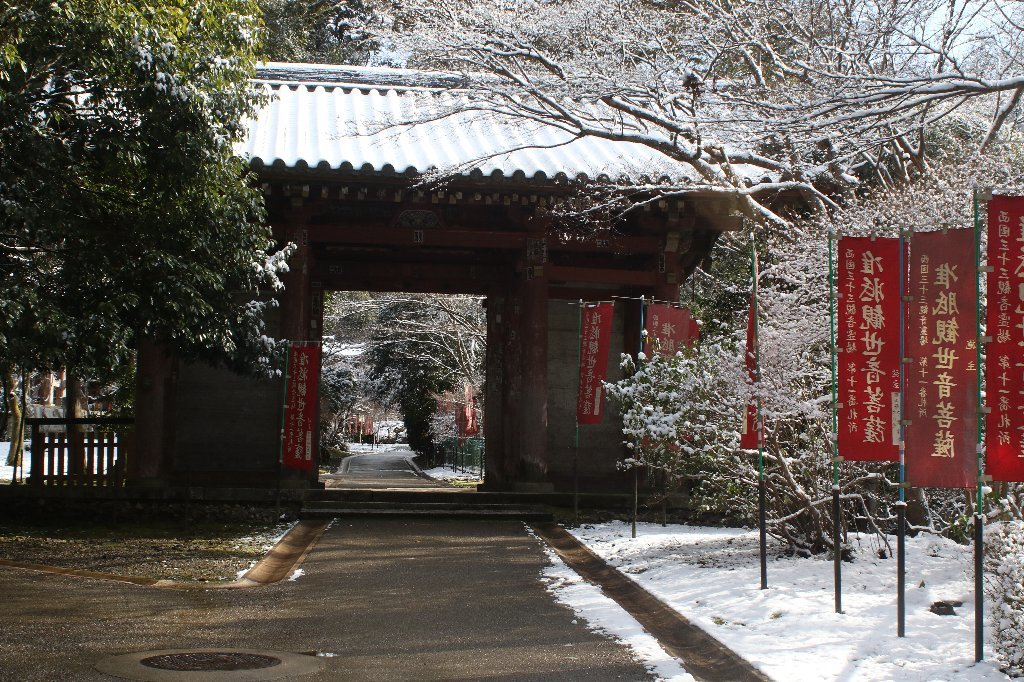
(15, 423)
(75, 408)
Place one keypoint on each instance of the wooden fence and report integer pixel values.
(87, 452)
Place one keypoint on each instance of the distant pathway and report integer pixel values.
(387, 469)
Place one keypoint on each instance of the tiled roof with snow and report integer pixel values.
(398, 121)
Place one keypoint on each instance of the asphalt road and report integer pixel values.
(385, 470)
(392, 599)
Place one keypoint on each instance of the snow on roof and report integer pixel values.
(400, 121)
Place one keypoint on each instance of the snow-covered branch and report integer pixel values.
(740, 92)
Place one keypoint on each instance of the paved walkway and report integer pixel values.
(385, 470)
(392, 599)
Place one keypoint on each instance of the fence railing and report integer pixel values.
(464, 456)
(85, 452)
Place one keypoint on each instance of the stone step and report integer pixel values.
(426, 511)
(420, 506)
(348, 495)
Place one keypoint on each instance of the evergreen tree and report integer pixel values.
(124, 212)
(317, 31)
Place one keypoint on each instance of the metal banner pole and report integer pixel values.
(979, 512)
(762, 512)
(643, 322)
(837, 565)
(576, 440)
(901, 504)
(284, 416)
(643, 325)
(635, 495)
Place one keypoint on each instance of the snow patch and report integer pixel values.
(446, 474)
(790, 631)
(603, 615)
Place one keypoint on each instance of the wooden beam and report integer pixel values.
(384, 234)
(564, 273)
(381, 235)
(451, 278)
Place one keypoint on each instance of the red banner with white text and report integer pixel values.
(941, 344)
(749, 435)
(465, 413)
(868, 348)
(1004, 365)
(595, 337)
(669, 329)
(301, 398)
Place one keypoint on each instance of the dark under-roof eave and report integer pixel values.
(346, 171)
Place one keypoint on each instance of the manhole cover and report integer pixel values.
(211, 664)
(210, 661)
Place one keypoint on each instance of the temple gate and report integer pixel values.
(340, 154)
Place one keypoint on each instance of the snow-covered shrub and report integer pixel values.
(682, 415)
(1005, 586)
(676, 413)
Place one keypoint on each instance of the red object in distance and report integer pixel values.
(749, 438)
(465, 413)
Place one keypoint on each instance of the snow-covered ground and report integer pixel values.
(604, 615)
(370, 449)
(7, 472)
(446, 474)
(790, 631)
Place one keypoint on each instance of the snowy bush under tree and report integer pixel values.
(1005, 586)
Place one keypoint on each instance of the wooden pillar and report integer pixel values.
(301, 317)
(494, 405)
(316, 333)
(296, 301)
(75, 407)
(511, 389)
(533, 328)
(666, 292)
(74, 398)
(631, 326)
(150, 460)
(670, 273)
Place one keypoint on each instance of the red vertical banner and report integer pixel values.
(465, 413)
(749, 436)
(868, 345)
(669, 329)
(1004, 366)
(469, 411)
(302, 391)
(595, 337)
(941, 344)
